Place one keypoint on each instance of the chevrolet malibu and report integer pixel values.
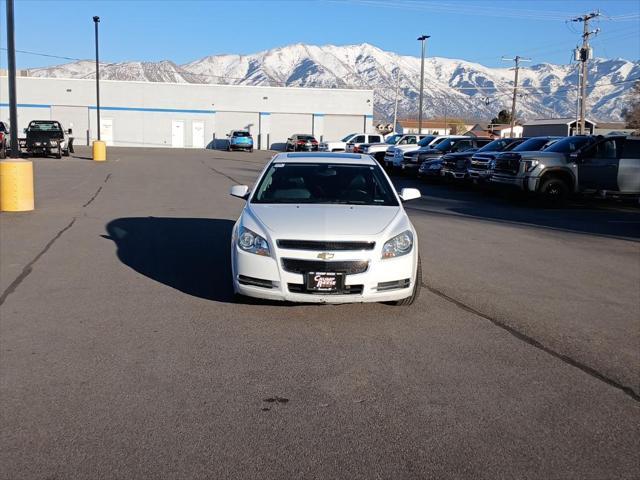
(325, 228)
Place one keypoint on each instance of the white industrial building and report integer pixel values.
(188, 115)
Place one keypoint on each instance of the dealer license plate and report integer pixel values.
(325, 281)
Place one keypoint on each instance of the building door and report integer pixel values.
(197, 134)
(106, 130)
(177, 133)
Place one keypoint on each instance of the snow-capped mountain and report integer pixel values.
(455, 88)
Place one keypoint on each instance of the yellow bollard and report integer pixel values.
(16, 186)
(99, 151)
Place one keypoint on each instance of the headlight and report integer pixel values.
(398, 245)
(530, 165)
(37, 144)
(252, 242)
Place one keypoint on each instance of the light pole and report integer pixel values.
(422, 39)
(96, 21)
(13, 102)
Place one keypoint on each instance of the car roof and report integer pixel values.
(324, 157)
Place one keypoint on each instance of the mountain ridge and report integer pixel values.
(453, 88)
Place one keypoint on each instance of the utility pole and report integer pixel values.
(421, 38)
(13, 102)
(517, 59)
(96, 20)
(583, 55)
(395, 109)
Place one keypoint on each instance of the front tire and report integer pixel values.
(3, 152)
(416, 288)
(554, 192)
(59, 153)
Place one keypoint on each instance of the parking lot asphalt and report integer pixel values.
(124, 355)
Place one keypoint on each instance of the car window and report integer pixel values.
(358, 139)
(631, 148)
(2, 127)
(411, 141)
(241, 134)
(462, 145)
(346, 139)
(496, 145)
(604, 150)
(45, 127)
(569, 145)
(323, 183)
(374, 138)
(532, 145)
(393, 139)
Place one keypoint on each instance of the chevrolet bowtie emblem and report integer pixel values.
(325, 255)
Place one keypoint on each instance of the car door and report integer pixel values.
(598, 165)
(374, 139)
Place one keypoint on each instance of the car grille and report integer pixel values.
(325, 246)
(346, 290)
(507, 165)
(476, 165)
(295, 265)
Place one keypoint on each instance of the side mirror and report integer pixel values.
(24, 130)
(239, 191)
(69, 131)
(407, 194)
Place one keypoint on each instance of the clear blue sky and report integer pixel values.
(182, 31)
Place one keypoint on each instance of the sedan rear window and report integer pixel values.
(323, 183)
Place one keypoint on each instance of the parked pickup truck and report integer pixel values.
(377, 150)
(4, 139)
(352, 139)
(46, 137)
(410, 143)
(533, 144)
(580, 164)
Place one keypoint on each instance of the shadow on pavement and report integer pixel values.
(582, 215)
(192, 255)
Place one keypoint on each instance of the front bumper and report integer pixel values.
(455, 174)
(290, 286)
(479, 174)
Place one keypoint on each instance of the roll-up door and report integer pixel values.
(338, 126)
(283, 125)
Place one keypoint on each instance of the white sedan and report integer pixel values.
(325, 228)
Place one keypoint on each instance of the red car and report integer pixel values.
(301, 143)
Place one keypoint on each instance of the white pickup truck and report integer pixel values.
(351, 139)
(377, 150)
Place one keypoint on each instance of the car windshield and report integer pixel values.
(346, 139)
(44, 127)
(305, 137)
(497, 145)
(393, 139)
(532, 145)
(241, 134)
(426, 140)
(2, 127)
(322, 183)
(568, 145)
(446, 144)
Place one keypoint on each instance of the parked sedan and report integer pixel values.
(325, 228)
(301, 142)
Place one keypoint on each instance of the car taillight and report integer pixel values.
(301, 142)
(1, 136)
(356, 149)
(315, 142)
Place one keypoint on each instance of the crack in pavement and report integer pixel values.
(29, 266)
(536, 344)
(95, 195)
(237, 182)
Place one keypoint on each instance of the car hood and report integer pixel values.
(302, 221)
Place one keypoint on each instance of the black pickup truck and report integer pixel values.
(46, 137)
